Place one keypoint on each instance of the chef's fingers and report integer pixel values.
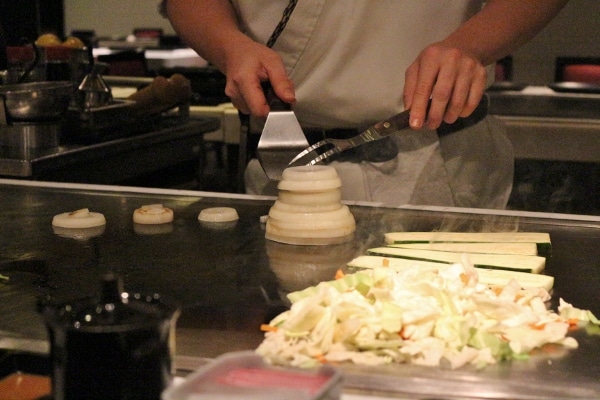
(246, 68)
(453, 79)
(420, 77)
(468, 89)
(410, 82)
(252, 98)
(476, 92)
(457, 89)
(246, 94)
(444, 89)
(240, 104)
(282, 86)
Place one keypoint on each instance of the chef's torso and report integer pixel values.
(347, 58)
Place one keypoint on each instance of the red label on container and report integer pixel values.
(263, 378)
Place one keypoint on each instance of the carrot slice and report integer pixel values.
(268, 328)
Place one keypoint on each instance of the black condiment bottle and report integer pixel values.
(116, 345)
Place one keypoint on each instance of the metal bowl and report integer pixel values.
(36, 101)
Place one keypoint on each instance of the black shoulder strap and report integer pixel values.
(281, 25)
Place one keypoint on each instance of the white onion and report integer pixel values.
(313, 225)
(153, 214)
(306, 208)
(309, 217)
(310, 186)
(82, 218)
(309, 173)
(326, 197)
(218, 214)
(334, 237)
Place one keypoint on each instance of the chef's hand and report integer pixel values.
(247, 66)
(454, 80)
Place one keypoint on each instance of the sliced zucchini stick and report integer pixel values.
(541, 239)
(525, 248)
(511, 262)
(492, 277)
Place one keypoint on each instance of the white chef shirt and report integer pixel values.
(347, 59)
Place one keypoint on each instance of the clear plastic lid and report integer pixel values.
(244, 375)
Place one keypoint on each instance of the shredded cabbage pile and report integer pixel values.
(434, 318)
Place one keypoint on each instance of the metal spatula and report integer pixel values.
(282, 137)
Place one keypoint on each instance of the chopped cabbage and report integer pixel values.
(420, 316)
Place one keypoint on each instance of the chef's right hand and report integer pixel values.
(248, 65)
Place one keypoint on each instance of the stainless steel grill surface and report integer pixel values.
(227, 283)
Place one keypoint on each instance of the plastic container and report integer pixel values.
(244, 375)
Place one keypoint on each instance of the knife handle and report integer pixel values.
(274, 102)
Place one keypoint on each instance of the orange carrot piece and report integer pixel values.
(573, 324)
(540, 327)
(268, 328)
(321, 358)
(497, 290)
(464, 278)
(403, 334)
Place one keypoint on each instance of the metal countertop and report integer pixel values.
(543, 101)
(110, 160)
(227, 284)
(547, 124)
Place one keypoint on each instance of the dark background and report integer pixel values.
(28, 19)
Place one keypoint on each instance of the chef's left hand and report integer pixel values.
(454, 80)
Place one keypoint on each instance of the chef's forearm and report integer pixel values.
(208, 26)
(502, 26)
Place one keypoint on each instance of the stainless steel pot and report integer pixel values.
(35, 101)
